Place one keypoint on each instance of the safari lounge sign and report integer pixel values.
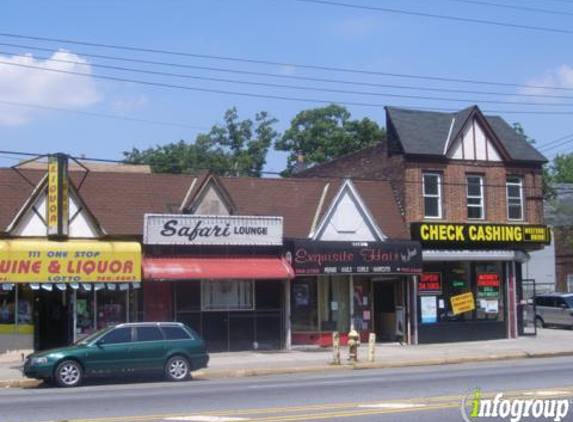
(182, 229)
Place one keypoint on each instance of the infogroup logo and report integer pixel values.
(513, 409)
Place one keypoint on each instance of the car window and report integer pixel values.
(541, 301)
(118, 335)
(148, 334)
(569, 301)
(558, 302)
(175, 333)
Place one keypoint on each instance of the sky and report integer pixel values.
(210, 55)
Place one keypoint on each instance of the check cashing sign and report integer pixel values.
(468, 235)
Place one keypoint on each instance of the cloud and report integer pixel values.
(562, 77)
(127, 105)
(43, 88)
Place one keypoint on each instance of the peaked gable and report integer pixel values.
(211, 199)
(348, 219)
(419, 132)
(31, 220)
(474, 140)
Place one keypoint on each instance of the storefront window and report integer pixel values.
(7, 307)
(110, 307)
(85, 318)
(220, 295)
(477, 285)
(334, 302)
(304, 304)
(25, 306)
(489, 292)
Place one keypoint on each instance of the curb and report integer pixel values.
(237, 373)
(241, 373)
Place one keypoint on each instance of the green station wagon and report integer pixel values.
(168, 347)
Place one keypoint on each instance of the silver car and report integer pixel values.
(554, 309)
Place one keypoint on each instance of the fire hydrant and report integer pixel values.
(353, 343)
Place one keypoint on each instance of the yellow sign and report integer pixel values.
(81, 261)
(480, 233)
(463, 303)
(57, 211)
(53, 197)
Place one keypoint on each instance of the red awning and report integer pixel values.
(238, 267)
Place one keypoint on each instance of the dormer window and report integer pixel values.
(432, 191)
(475, 197)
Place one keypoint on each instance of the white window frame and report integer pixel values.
(438, 195)
(481, 196)
(570, 282)
(518, 183)
(210, 307)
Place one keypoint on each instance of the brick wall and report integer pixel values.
(563, 238)
(454, 200)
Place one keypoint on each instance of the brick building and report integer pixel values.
(470, 187)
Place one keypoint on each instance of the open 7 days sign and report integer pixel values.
(182, 229)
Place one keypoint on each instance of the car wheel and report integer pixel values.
(539, 323)
(68, 373)
(177, 368)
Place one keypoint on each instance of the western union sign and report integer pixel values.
(81, 261)
(480, 233)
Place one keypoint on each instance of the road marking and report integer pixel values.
(545, 393)
(392, 405)
(326, 411)
(206, 418)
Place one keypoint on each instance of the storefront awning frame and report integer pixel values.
(433, 255)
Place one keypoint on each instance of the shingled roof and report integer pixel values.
(118, 201)
(426, 132)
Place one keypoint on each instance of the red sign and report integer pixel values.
(430, 284)
(488, 279)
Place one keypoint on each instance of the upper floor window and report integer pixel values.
(432, 195)
(514, 186)
(475, 197)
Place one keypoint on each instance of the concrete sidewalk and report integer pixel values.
(548, 343)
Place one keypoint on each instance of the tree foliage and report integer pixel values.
(322, 134)
(561, 168)
(237, 147)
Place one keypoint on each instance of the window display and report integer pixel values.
(471, 291)
(227, 295)
(110, 307)
(84, 313)
(333, 303)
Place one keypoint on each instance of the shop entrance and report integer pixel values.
(53, 319)
(388, 310)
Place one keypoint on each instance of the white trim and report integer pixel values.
(522, 202)
(319, 209)
(446, 147)
(187, 195)
(481, 196)
(28, 204)
(360, 205)
(439, 195)
(474, 255)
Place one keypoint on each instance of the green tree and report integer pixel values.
(238, 147)
(322, 134)
(562, 168)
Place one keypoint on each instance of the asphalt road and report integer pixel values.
(431, 393)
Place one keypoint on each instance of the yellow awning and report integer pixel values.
(71, 261)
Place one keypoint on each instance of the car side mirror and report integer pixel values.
(100, 342)
(563, 306)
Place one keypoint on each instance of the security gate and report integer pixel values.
(526, 307)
